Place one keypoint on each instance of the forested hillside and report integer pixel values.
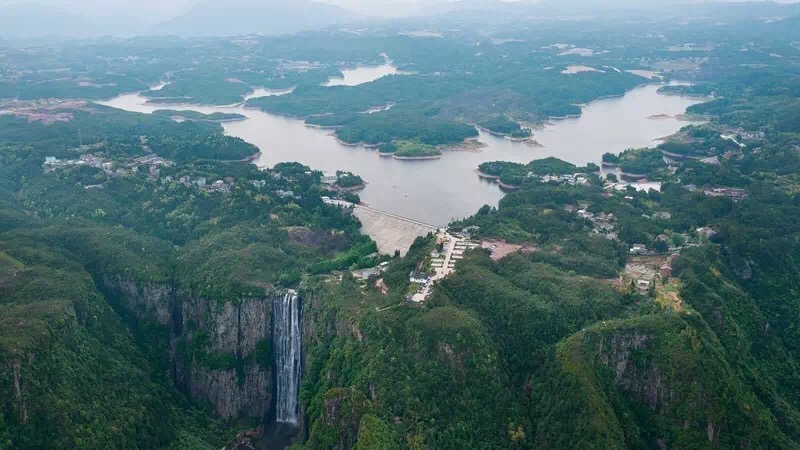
(578, 353)
(111, 267)
(646, 301)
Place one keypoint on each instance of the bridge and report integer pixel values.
(391, 232)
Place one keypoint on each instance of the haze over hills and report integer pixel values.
(34, 18)
(239, 258)
(218, 17)
(592, 6)
(81, 18)
(25, 20)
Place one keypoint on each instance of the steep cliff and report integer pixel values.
(219, 351)
(669, 375)
(379, 379)
(146, 300)
(226, 356)
(70, 373)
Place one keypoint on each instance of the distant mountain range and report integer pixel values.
(206, 18)
(271, 17)
(27, 20)
(82, 18)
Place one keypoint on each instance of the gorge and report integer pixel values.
(243, 357)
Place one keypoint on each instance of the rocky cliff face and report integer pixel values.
(219, 351)
(342, 412)
(13, 372)
(15, 386)
(644, 384)
(667, 372)
(231, 331)
(320, 324)
(233, 394)
(145, 300)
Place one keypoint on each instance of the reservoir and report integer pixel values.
(361, 75)
(437, 191)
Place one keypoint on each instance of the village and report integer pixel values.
(648, 269)
(152, 165)
(441, 262)
(47, 112)
(450, 248)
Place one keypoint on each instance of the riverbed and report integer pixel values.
(437, 191)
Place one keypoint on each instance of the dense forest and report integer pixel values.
(91, 369)
(556, 346)
(505, 127)
(140, 257)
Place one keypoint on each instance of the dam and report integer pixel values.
(391, 232)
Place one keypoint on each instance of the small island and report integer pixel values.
(194, 116)
(348, 182)
(410, 149)
(504, 127)
(510, 175)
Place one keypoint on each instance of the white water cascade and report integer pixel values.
(287, 339)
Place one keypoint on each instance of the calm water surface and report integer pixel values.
(440, 190)
(363, 74)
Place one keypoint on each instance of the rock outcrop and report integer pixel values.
(145, 300)
(342, 411)
(216, 350)
(644, 384)
(221, 366)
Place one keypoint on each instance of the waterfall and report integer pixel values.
(287, 342)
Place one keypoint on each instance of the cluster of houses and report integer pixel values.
(51, 163)
(601, 223)
(46, 111)
(648, 278)
(114, 168)
(443, 262)
(153, 160)
(643, 256)
(419, 278)
(576, 179)
(366, 274)
(750, 135)
(154, 163)
(703, 234)
(286, 194)
(422, 283)
(734, 194)
(223, 186)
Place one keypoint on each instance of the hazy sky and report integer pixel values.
(157, 10)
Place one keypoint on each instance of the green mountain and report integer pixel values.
(159, 291)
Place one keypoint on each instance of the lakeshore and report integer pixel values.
(504, 135)
(436, 191)
(417, 158)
